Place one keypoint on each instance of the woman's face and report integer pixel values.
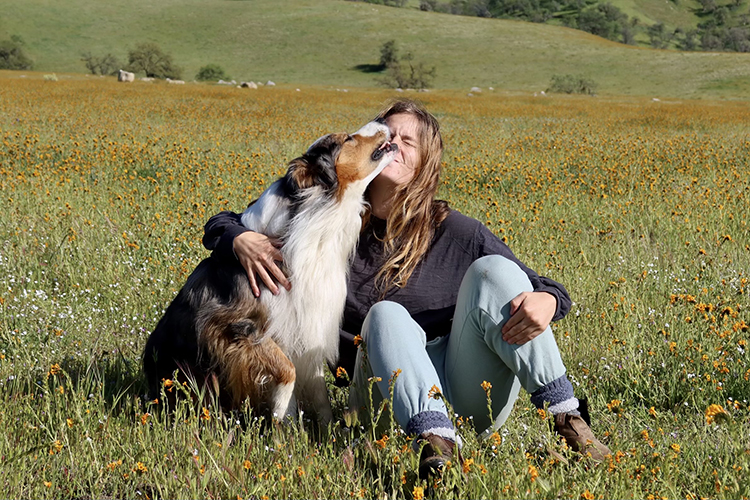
(405, 134)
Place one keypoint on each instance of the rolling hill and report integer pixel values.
(328, 42)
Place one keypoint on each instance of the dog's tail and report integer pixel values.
(249, 363)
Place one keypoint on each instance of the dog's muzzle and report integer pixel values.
(387, 147)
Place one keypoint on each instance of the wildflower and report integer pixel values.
(168, 385)
(144, 418)
(357, 340)
(675, 447)
(417, 493)
(54, 370)
(395, 375)
(467, 465)
(70, 422)
(435, 392)
(205, 414)
(48, 484)
(652, 412)
(486, 386)
(496, 439)
(113, 465)
(341, 372)
(533, 473)
(382, 442)
(542, 414)
(587, 495)
(140, 468)
(615, 406)
(57, 446)
(715, 413)
(247, 464)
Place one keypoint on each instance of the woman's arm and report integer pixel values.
(256, 252)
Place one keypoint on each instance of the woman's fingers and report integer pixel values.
(276, 271)
(266, 279)
(531, 314)
(259, 254)
(523, 334)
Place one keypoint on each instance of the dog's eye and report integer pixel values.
(349, 138)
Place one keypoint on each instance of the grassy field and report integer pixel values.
(322, 42)
(638, 207)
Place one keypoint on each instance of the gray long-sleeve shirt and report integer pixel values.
(431, 292)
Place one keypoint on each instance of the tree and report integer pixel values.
(405, 73)
(604, 20)
(12, 55)
(659, 36)
(150, 59)
(101, 65)
(689, 40)
(388, 54)
(211, 73)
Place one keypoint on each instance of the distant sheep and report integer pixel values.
(125, 76)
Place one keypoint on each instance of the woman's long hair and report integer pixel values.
(415, 214)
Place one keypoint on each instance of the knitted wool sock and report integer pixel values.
(433, 423)
(559, 395)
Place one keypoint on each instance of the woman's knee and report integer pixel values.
(386, 319)
(499, 274)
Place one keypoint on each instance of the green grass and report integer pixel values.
(638, 207)
(322, 42)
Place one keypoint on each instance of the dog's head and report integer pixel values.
(337, 162)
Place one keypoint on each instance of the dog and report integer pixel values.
(272, 350)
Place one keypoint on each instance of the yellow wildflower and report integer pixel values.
(714, 413)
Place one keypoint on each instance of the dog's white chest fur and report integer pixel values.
(317, 243)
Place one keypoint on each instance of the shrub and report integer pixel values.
(12, 55)
(405, 73)
(150, 59)
(572, 84)
(101, 65)
(388, 54)
(211, 73)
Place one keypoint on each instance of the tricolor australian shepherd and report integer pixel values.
(271, 350)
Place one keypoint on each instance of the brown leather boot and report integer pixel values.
(435, 453)
(579, 436)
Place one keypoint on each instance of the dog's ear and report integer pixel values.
(298, 176)
(317, 167)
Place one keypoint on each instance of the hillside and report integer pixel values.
(321, 42)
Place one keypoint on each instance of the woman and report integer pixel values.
(437, 299)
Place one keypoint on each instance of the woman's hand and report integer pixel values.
(258, 254)
(530, 315)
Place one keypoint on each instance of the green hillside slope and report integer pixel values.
(321, 42)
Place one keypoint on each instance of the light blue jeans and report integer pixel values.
(457, 364)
